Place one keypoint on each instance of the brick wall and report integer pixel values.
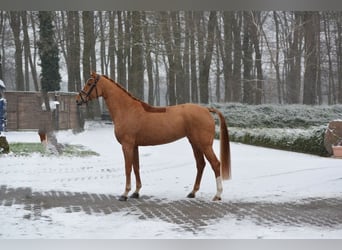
(24, 111)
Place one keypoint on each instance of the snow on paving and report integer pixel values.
(168, 173)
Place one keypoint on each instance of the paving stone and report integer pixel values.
(189, 214)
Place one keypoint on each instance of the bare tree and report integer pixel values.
(136, 70)
(328, 41)
(148, 59)
(16, 28)
(89, 60)
(338, 42)
(166, 34)
(227, 56)
(311, 27)
(121, 49)
(111, 45)
(204, 66)
(247, 61)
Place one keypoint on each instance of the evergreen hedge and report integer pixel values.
(309, 140)
(298, 128)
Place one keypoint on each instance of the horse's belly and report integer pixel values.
(158, 137)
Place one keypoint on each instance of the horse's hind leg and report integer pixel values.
(136, 173)
(200, 164)
(215, 164)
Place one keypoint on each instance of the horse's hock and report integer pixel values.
(333, 135)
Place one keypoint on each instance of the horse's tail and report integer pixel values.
(224, 146)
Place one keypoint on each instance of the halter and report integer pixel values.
(87, 94)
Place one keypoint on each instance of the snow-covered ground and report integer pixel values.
(168, 172)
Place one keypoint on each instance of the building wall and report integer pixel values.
(24, 111)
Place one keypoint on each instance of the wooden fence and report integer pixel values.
(25, 111)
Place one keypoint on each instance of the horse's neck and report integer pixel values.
(118, 102)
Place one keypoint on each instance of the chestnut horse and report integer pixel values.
(139, 124)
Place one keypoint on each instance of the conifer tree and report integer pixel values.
(48, 52)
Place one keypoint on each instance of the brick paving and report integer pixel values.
(189, 214)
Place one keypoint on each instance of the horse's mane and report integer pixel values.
(147, 107)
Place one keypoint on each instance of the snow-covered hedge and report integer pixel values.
(278, 116)
(298, 128)
(310, 140)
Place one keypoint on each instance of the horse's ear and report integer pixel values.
(93, 74)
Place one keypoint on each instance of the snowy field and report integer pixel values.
(168, 172)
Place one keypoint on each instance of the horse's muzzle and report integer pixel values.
(79, 102)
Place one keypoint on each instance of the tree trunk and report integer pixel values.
(247, 62)
(331, 81)
(311, 77)
(228, 17)
(27, 52)
(121, 51)
(193, 61)
(276, 62)
(16, 28)
(48, 53)
(28, 56)
(186, 56)
(294, 58)
(136, 72)
(149, 62)
(339, 56)
(181, 90)
(206, 62)
(102, 44)
(237, 54)
(87, 36)
(111, 46)
(166, 34)
(88, 61)
(73, 51)
(253, 29)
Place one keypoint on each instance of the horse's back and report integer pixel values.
(198, 122)
(195, 114)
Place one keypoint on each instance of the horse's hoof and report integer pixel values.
(135, 195)
(216, 198)
(191, 195)
(123, 198)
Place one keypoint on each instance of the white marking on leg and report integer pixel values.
(137, 190)
(127, 191)
(219, 187)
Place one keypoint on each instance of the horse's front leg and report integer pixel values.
(136, 172)
(128, 152)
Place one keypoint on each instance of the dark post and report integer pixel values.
(56, 111)
(0, 68)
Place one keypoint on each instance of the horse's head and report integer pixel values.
(89, 90)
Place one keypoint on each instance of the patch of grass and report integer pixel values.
(27, 148)
(77, 150)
